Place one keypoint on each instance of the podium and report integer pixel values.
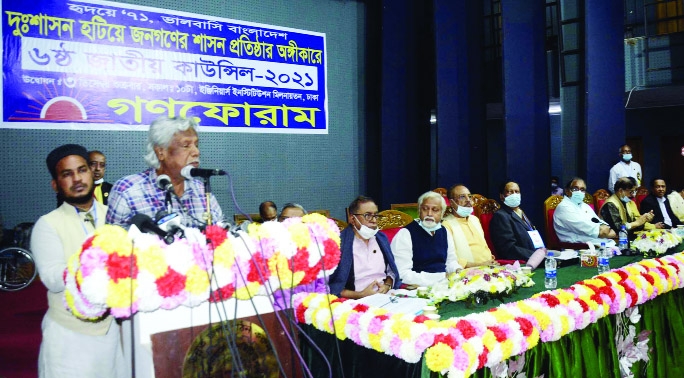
(162, 339)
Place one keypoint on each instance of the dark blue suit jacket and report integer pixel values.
(509, 235)
(343, 277)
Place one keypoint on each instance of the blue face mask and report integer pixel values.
(577, 197)
(625, 199)
(434, 228)
(627, 157)
(464, 212)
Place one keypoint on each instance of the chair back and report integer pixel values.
(409, 208)
(477, 200)
(642, 192)
(486, 209)
(340, 223)
(600, 197)
(552, 241)
(391, 221)
(239, 218)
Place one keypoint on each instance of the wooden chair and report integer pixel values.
(486, 210)
(239, 218)
(600, 197)
(340, 223)
(408, 208)
(642, 192)
(552, 241)
(391, 221)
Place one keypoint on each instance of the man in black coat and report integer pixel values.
(663, 217)
(513, 234)
(98, 164)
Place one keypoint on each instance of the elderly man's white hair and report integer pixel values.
(161, 133)
(434, 195)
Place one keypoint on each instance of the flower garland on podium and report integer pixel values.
(113, 273)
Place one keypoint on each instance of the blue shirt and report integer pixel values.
(139, 194)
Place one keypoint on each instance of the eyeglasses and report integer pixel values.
(576, 189)
(370, 216)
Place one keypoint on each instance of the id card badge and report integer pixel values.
(536, 239)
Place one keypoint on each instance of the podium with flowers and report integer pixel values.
(206, 277)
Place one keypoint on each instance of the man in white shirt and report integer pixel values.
(71, 347)
(424, 250)
(576, 222)
(624, 168)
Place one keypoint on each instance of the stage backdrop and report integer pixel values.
(97, 73)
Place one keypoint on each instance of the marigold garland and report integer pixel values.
(112, 273)
(460, 346)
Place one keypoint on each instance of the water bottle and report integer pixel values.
(550, 281)
(622, 239)
(603, 259)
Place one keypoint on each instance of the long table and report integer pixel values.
(591, 351)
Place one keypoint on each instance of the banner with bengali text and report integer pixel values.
(112, 66)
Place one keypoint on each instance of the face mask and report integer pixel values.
(430, 226)
(365, 231)
(625, 199)
(577, 197)
(554, 185)
(512, 200)
(464, 211)
(98, 182)
(627, 157)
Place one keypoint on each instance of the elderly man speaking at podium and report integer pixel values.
(172, 146)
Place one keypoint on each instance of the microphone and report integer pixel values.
(164, 183)
(146, 224)
(189, 172)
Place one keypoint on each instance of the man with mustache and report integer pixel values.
(469, 240)
(71, 347)
(424, 250)
(173, 144)
(98, 164)
(657, 202)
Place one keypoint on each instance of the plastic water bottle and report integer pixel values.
(603, 259)
(622, 239)
(550, 280)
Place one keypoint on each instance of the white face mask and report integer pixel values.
(512, 200)
(98, 182)
(464, 211)
(365, 231)
(577, 197)
(430, 225)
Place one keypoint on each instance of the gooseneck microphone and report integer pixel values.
(146, 224)
(189, 172)
(164, 183)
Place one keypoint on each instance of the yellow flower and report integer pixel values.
(247, 291)
(502, 316)
(439, 357)
(489, 340)
(197, 281)
(402, 328)
(153, 260)
(340, 324)
(374, 340)
(300, 234)
(507, 348)
(224, 254)
(113, 239)
(120, 293)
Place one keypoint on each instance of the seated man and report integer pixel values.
(619, 209)
(291, 210)
(366, 263)
(657, 202)
(676, 199)
(467, 233)
(268, 211)
(424, 250)
(576, 222)
(513, 234)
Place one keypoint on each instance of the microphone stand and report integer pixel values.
(207, 194)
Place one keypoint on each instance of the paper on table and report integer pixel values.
(395, 304)
(568, 254)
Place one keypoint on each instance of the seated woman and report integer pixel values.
(620, 209)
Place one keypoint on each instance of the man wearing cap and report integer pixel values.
(172, 145)
(71, 347)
